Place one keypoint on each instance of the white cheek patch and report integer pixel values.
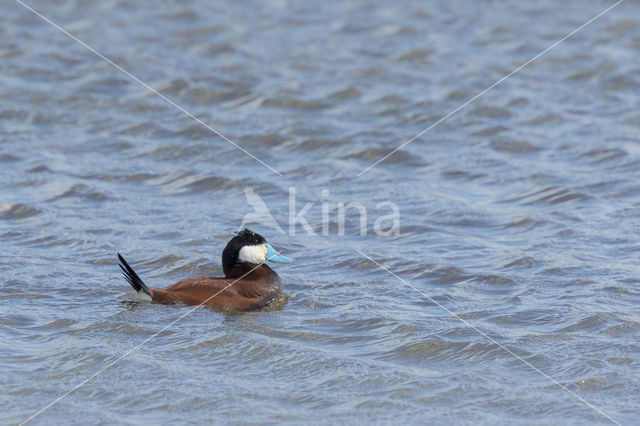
(253, 254)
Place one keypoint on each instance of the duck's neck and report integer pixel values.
(249, 271)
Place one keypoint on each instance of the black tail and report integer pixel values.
(131, 276)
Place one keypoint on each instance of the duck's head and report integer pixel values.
(249, 247)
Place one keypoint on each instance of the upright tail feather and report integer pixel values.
(133, 278)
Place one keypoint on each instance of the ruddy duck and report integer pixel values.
(248, 283)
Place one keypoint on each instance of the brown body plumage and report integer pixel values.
(244, 293)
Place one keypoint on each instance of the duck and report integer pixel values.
(248, 284)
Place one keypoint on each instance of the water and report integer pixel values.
(520, 213)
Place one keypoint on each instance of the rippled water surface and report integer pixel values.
(519, 214)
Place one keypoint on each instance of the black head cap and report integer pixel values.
(232, 250)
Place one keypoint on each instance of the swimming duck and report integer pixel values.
(248, 283)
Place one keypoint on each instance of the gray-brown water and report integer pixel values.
(520, 213)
